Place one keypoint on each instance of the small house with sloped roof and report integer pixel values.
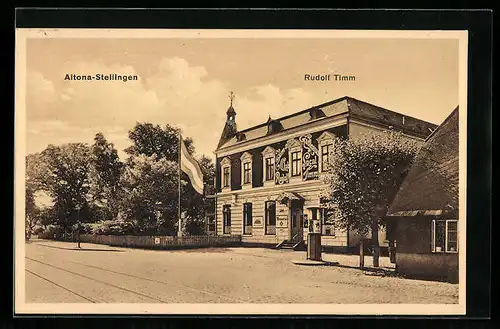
(424, 213)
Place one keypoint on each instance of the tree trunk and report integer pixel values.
(361, 254)
(376, 246)
(392, 251)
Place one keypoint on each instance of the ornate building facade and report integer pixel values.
(269, 177)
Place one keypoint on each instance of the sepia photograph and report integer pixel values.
(177, 171)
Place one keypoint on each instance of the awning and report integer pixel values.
(289, 196)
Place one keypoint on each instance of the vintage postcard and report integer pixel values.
(240, 171)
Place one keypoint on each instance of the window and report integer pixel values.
(247, 218)
(247, 173)
(325, 144)
(226, 219)
(268, 164)
(327, 221)
(325, 150)
(270, 169)
(225, 173)
(296, 163)
(444, 236)
(270, 217)
(211, 223)
(226, 177)
(246, 170)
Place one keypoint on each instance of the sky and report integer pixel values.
(186, 83)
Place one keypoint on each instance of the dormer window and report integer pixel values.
(240, 137)
(273, 126)
(246, 170)
(268, 160)
(226, 173)
(325, 145)
(316, 113)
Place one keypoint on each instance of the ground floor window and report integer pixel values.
(226, 219)
(247, 218)
(444, 235)
(270, 207)
(211, 223)
(327, 217)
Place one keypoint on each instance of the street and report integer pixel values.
(59, 272)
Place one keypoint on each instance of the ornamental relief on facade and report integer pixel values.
(310, 156)
(282, 166)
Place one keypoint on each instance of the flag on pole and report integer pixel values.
(191, 167)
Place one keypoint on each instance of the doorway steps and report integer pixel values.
(291, 245)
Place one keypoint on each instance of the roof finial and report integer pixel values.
(231, 97)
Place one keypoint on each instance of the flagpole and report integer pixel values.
(179, 230)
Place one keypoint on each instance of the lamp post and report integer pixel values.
(78, 225)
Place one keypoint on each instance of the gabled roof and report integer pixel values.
(431, 186)
(349, 106)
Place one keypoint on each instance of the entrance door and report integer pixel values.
(296, 222)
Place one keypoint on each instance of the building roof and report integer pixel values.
(431, 186)
(342, 106)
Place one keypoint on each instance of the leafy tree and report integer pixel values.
(104, 177)
(365, 176)
(35, 171)
(149, 139)
(31, 213)
(158, 143)
(150, 194)
(66, 181)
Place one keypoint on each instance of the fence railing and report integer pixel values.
(161, 242)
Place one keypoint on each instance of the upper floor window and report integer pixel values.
(444, 236)
(270, 168)
(325, 145)
(269, 156)
(247, 173)
(226, 172)
(226, 177)
(246, 168)
(325, 151)
(296, 163)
